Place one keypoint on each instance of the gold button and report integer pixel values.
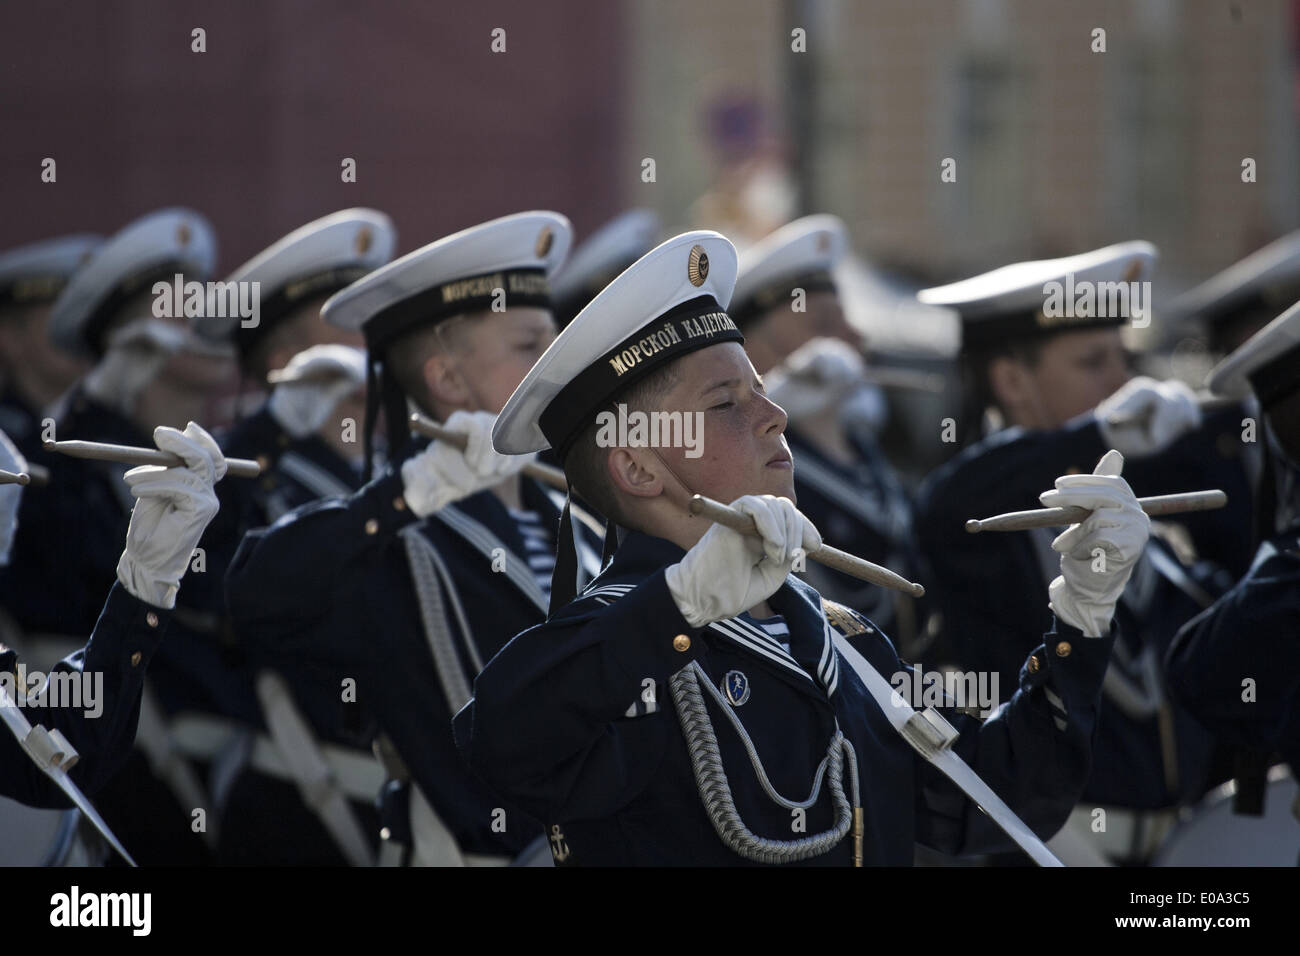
(136, 658)
(399, 503)
(372, 526)
(268, 483)
(151, 619)
(681, 643)
(264, 462)
(1063, 649)
(1033, 664)
(1073, 471)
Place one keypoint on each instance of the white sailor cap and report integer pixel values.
(318, 259)
(457, 274)
(153, 247)
(799, 255)
(1012, 303)
(39, 271)
(1267, 363)
(507, 261)
(1262, 284)
(669, 302)
(599, 258)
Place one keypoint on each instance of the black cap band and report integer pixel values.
(286, 298)
(94, 331)
(775, 293)
(1018, 327)
(32, 288)
(520, 287)
(692, 325)
(1278, 379)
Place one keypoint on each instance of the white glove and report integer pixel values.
(135, 355)
(11, 459)
(865, 410)
(443, 473)
(309, 388)
(815, 377)
(1153, 415)
(1085, 593)
(173, 507)
(727, 572)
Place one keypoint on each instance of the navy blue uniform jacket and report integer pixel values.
(555, 724)
(127, 627)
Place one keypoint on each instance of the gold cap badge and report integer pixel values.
(364, 240)
(697, 269)
(545, 239)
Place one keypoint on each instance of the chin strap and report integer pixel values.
(564, 579)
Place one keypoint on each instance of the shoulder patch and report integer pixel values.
(843, 618)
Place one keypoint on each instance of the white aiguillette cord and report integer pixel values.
(932, 740)
(51, 751)
(932, 744)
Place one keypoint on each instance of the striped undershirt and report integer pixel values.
(774, 627)
(539, 547)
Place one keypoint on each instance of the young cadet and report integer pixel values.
(1237, 666)
(1239, 301)
(33, 373)
(1045, 373)
(173, 505)
(393, 597)
(148, 371)
(599, 258)
(787, 306)
(298, 436)
(698, 704)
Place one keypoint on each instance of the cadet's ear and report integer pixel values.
(630, 476)
(1009, 382)
(444, 380)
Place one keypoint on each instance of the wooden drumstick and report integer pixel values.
(1053, 517)
(826, 555)
(14, 478)
(129, 455)
(546, 474)
(905, 378)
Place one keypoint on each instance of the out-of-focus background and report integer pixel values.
(752, 111)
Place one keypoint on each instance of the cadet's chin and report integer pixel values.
(779, 481)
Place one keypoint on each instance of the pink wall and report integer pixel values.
(252, 132)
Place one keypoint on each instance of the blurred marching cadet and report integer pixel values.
(148, 371)
(696, 703)
(1236, 666)
(1043, 371)
(1239, 301)
(390, 600)
(599, 258)
(98, 720)
(787, 306)
(129, 309)
(34, 372)
(299, 435)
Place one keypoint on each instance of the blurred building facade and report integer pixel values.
(1057, 148)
